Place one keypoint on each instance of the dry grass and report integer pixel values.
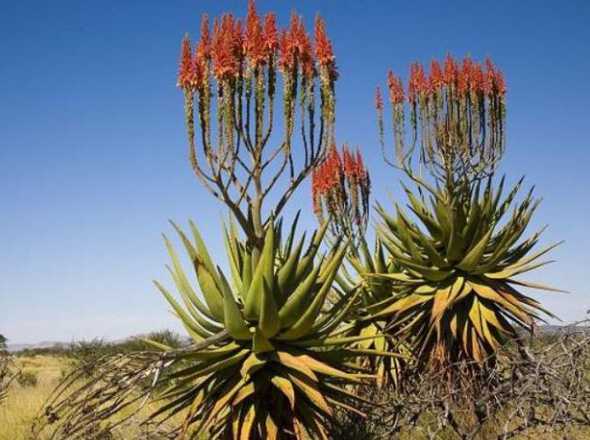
(24, 402)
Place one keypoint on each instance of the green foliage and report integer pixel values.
(458, 268)
(377, 294)
(280, 361)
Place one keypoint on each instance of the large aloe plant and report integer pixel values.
(283, 362)
(459, 266)
(377, 294)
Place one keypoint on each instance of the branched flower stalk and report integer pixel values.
(457, 114)
(230, 80)
(340, 191)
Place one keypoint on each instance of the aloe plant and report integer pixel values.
(459, 264)
(283, 361)
(377, 294)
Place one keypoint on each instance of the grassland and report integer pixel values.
(25, 401)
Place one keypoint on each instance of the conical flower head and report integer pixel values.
(186, 73)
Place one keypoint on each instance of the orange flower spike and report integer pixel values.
(417, 83)
(362, 171)
(396, 89)
(271, 37)
(238, 40)
(287, 56)
(476, 84)
(464, 76)
(323, 45)
(379, 99)
(204, 46)
(254, 44)
(349, 163)
(500, 83)
(450, 73)
(494, 78)
(302, 46)
(186, 73)
(316, 191)
(226, 47)
(296, 33)
(436, 76)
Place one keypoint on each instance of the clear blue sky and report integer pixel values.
(92, 146)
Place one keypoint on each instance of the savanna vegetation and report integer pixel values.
(424, 331)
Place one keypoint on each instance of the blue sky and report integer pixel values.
(92, 144)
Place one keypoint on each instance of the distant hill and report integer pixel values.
(44, 344)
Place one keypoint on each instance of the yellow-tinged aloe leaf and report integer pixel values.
(236, 418)
(223, 400)
(343, 340)
(536, 286)
(514, 270)
(476, 317)
(490, 316)
(244, 392)
(248, 423)
(320, 367)
(285, 387)
(252, 364)
(440, 303)
(272, 430)
(311, 390)
(489, 293)
(292, 362)
(390, 276)
(456, 289)
(404, 304)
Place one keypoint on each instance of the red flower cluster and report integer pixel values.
(465, 77)
(260, 39)
(323, 48)
(396, 88)
(354, 168)
(327, 178)
(340, 189)
(226, 47)
(295, 46)
(378, 99)
(186, 74)
(232, 44)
